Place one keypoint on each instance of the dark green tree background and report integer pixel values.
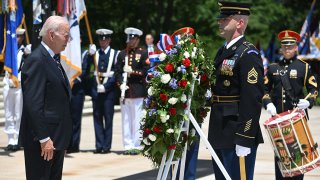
(165, 16)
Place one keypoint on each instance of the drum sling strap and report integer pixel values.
(286, 84)
(287, 87)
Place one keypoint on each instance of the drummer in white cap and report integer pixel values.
(132, 62)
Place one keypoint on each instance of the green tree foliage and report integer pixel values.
(165, 16)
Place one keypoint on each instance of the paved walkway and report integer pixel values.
(89, 166)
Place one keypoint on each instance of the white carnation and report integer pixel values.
(146, 142)
(193, 54)
(194, 49)
(152, 137)
(142, 123)
(164, 118)
(165, 78)
(170, 131)
(162, 56)
(173, 100)
(186, 54)
(143, 114)
(183, 98)
(150, 91)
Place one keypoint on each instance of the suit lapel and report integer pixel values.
(55, 69)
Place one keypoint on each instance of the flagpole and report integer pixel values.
(26, 32)
(91, 42)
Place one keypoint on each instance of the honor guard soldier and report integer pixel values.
(12, 95)
(234, 130)
(131, 69)
(285, 81)
(103, 90)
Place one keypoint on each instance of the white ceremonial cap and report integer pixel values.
(133, 32)
(103, 34)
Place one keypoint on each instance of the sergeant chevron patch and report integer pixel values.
(248, 125)
(252, 76)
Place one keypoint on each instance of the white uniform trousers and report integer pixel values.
(13, 111)
(131, 118)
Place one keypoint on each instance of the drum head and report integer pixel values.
(283, 117)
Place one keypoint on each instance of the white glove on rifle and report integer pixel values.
(242, 151)
(127, 69)
(92, 49)
(123, 87)
(101, 89)
(271, 109)
(27, 49)
(303, 104)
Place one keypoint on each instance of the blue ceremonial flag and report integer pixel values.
(304, 45)
(13, 21)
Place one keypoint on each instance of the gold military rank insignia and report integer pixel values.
(312, 81)
(252, 76)
(293, 74)
(138, 56)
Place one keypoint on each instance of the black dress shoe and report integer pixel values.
(69, 151)
(15, 148)
(9, 148)
(105, 151)
(97, 151)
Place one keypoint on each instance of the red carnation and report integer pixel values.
(169, 68)
(172, 147)
(146, 132)
(195, 69)
(203, 77)
(183, 83)
(203, 114)
(163, 97)
(186, 62)
(172, 111)
(157, 129)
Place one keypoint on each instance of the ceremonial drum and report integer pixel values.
(292, 143)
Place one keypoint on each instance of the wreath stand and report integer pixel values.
(184, 127)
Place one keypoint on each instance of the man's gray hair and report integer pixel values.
(52, 23)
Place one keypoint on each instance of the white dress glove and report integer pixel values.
(92, 49)
(271, 109)
(101, 89)
(27, 49)
(242, 151)
(11, 83)
(303, 104)
(123, 87)
(127, 69)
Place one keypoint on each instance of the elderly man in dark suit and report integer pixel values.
(46, 124)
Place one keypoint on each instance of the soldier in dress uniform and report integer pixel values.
(234, 129)
(285, 81)
(77, 102)
(132, 63)
(12, 95)
(103, 90)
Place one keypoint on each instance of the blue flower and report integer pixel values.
(152, 111)
(173, 83)
(147, 101)
(183, 69)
